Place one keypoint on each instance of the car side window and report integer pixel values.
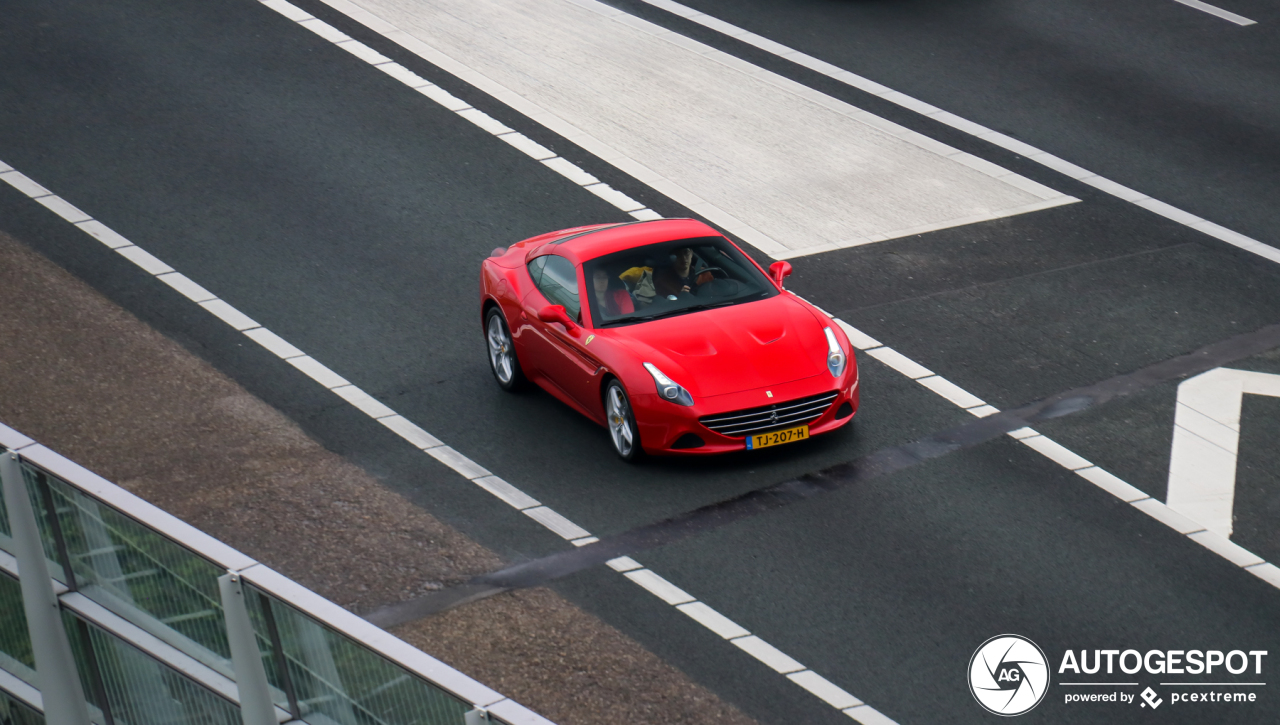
(535, 269)
(558, 282)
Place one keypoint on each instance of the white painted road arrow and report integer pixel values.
(1206, 434)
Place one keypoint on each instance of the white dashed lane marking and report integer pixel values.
(1212, 10)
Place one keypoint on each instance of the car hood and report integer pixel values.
(731, 349)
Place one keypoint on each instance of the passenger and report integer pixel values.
(640, 280)
(679, 277)
(611, 297)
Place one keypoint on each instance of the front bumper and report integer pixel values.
(664, 425)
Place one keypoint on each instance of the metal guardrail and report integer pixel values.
(139, 595)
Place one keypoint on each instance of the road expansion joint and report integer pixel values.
(884, 462)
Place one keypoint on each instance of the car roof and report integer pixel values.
(586, 245)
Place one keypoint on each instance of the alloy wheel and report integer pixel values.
(501, 354)
(620, 425)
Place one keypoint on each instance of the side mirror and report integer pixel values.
(557, 313)
(780, 271)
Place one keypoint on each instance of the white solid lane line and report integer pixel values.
(974, 129)
(1224, 14)
(767, 653)
(557, 524)
(659, 587)
(59, 206)
(481, 119)
(415, 435)
(788, 169)
(1056, 452)
(824, 689)
(952, 392)
(713, 620)
(189, 289)
(900, 362)
(1111, 484)
(230, 315)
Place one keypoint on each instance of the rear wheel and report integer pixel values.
(621, 423)
(502, 353)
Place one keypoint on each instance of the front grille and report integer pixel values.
(741, 423)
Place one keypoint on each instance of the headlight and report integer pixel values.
(835, 356)
(668, 389)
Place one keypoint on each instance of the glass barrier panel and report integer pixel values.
(339, 681)
(16, 656)
(143, 576)
(33, 480)
(84, 665)
(142, 691)
(35, 489)
(259, 612)
(13, 712)
(6, 537)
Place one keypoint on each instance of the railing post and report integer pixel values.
(60, 688)
(256, 707)
(478, 716)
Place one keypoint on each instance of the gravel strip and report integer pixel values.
(89, 380)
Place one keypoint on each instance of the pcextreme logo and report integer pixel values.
(1008, 675)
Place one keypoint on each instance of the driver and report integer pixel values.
(679, 277)
(610, 296)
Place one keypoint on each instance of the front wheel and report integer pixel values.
(622, 423)
(502, 352)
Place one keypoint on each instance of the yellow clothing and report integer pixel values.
(641, 281)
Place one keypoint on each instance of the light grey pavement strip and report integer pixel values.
(261, 576)
(1224, 14)
(1034, 154)
(472, 471)
(786, 168)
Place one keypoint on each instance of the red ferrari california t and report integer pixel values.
(668, 335)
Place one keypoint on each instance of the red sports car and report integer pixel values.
(668, 335)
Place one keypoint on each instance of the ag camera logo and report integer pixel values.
(1008, 675)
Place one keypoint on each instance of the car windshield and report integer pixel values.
(670, 278)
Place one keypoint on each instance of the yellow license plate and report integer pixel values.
(777, 437)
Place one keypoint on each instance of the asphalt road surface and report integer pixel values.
(348, 214)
